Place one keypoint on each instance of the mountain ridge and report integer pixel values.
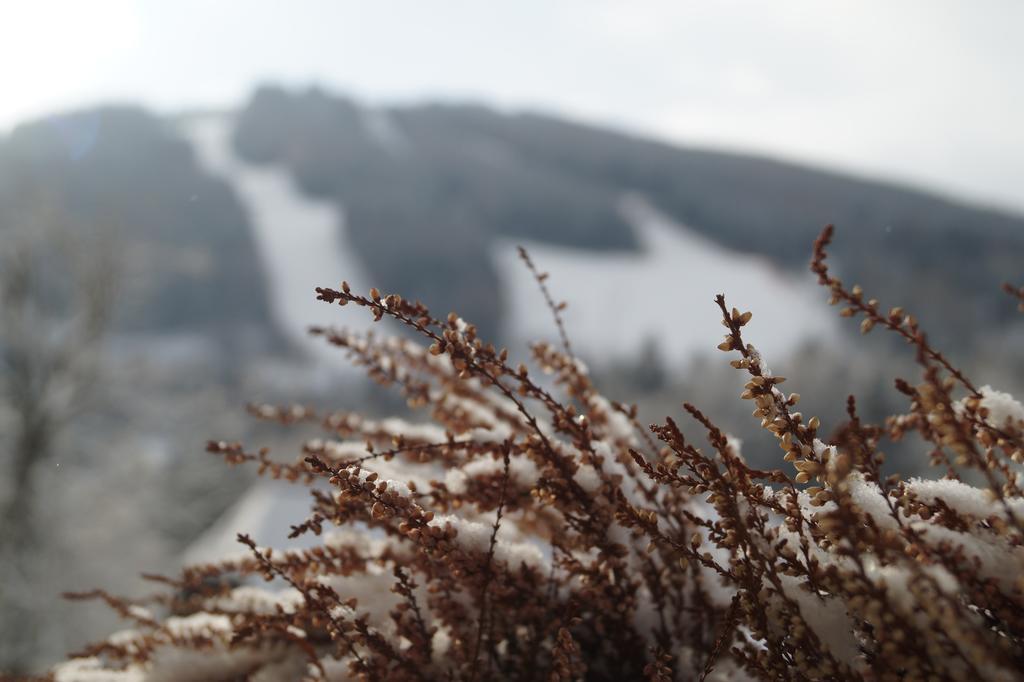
(425, 190)
(471, 173)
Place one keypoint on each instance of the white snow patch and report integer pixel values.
(301, 240)
(1002, 407)
(266, 512)
(666, 292)
(475, 536)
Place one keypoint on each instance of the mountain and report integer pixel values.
(181, 240)
(427, 189)
(425, 199)
(305, 241)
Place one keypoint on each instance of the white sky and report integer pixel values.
(925, 91)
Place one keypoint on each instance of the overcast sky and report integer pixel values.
(927, 92)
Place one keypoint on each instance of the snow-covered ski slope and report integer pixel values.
(666, 292)
(301, 240)
(617, 301)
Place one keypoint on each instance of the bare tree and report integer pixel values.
(55, 306)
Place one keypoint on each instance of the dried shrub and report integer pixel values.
(534, 530)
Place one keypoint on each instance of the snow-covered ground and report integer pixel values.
(618, 301)
(301, 240)
(266, 513)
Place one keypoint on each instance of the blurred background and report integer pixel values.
(176, 178)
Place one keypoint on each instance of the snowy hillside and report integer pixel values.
(664, 293)
(301, 241)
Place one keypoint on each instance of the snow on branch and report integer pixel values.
(532, 529)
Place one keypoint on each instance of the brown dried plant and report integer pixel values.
(534, 530)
